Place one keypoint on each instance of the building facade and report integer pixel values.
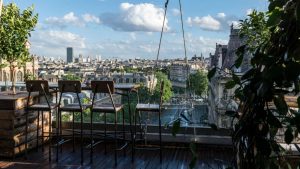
(31, 68)
(69, 54)
(225, 55)
(221, 99)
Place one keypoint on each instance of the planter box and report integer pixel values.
(13, 124)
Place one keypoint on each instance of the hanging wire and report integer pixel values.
(182, 29)
(161, 33)
(160, 39)
(184, 45)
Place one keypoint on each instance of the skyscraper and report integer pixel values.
(69, 54)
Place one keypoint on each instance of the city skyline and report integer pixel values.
(130, 29)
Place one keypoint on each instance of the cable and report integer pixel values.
(182, 29)
(161, 33)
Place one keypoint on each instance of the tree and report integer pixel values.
(15, 28)
(70, 76)
(273, 40)
(198, 82)
(167, 93)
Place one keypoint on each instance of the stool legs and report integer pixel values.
(116, 139)
(57, 134)
(26, 135)
(42, 131)
(123, 128)
(160, 143)
(60, 129)
(133, 138)
(81, 138)
(73, 131)
(105, 150)
(135, 133)
(50, 135)
(91, 136)
(37, 130)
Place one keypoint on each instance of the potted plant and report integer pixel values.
(15, 30)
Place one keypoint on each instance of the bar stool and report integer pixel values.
(107, 87)
(42, 87)
(70, 86)
(155, 108)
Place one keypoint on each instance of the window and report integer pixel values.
(19, 76)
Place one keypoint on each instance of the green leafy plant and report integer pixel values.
(198, 82)
(70, 76)
(167, 93)
(273, 40)
(15, 29)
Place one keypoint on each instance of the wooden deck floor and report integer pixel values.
(209, 157)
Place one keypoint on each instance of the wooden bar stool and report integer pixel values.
(108, 88)
(42, 87)
(70, 86)
(154, 108)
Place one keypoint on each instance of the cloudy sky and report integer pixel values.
(131, 29)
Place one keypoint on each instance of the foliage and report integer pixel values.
(70, 76)
(29, 76)
(273, 40)
(254, 30)
(167, 92)
(198, 82)
(15, 28)
(145, 95)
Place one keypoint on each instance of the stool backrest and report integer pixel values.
(73, 86)
(40, 86)
(103, 87)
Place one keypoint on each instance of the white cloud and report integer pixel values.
(70, 19)
(136, 17)
(205, 22)
(148, 48)
(54, 43)
(133, 35)
(236, 24)
(175, 12)
(249, 11)
(220, 22)
(91, 18)
(67, 20)
(221, 15)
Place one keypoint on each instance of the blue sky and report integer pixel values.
(130, 29)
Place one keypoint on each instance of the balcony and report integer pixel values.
(213, 147)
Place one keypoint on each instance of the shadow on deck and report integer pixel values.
(209, 157)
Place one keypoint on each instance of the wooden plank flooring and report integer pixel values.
(209, 157)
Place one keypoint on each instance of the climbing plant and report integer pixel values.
(273, 39)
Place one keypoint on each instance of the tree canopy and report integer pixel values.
(167, 92)
(198, 82)
(70, 76)
(15, 28)
(153, 96)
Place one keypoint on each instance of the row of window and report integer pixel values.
(5, 76)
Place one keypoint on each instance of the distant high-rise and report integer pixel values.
(69, 54)
(80, 58)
